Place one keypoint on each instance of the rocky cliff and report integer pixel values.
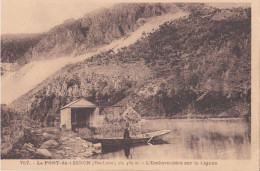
(15, 47)
(196, 65)
(12, 128)
(75, 37)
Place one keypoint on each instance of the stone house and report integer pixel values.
(116, 120)
(107, 121)
(79, 114)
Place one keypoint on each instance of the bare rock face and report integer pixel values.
(43, 152)
(49, 144)
(15, 48)
(60, 40)
(78, 36)
(11, 129)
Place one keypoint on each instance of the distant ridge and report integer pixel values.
(75, 37)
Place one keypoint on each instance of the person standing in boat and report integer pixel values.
(126, 132)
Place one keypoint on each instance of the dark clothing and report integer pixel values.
(126, 134)
(127, 151)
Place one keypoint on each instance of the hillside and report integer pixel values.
(75, 37)
(35, 72)
(198, 65)
(14, 47)
(12, 128)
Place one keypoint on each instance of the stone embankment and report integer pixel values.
(51, 143)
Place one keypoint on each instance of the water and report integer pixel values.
(190, 139)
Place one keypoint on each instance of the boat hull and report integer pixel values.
(117, 142)
(139, 139)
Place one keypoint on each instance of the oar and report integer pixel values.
(149, 140)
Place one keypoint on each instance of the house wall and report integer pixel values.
(65, 118)
(135, 128)
(62, 118)
(116, 130)
(114, 124)
(96, 120)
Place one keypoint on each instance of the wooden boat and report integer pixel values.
(141, 138)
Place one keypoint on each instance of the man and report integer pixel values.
(126, 134)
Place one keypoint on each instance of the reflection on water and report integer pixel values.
(126, 148)
(190, 139)
(127, 151)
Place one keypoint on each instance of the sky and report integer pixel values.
(36, 16)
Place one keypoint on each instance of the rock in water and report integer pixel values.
(49, 144)
(43, 152)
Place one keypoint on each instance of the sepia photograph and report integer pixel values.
(85, 80)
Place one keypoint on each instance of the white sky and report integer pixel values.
(35, 16)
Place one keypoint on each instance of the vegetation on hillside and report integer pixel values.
(204, 62)
(12, 125)
(14, 47)
(196, 66)
(75, 37)
(199, 65)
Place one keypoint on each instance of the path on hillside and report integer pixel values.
(15, 84)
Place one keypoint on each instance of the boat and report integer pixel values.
(138, 139)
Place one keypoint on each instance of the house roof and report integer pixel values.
(80, 103)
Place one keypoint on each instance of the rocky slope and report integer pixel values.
(15, 46)
(193, 66)
(198, 65)
(27, 60)
(75, 37)
(12, 128)
(51, 143)
(35, 72)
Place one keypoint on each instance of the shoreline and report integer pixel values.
(197, 118)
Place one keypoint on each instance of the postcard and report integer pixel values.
(130, 85)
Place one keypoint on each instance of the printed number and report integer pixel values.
(24, 162)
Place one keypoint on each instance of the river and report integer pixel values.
(190, 139)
